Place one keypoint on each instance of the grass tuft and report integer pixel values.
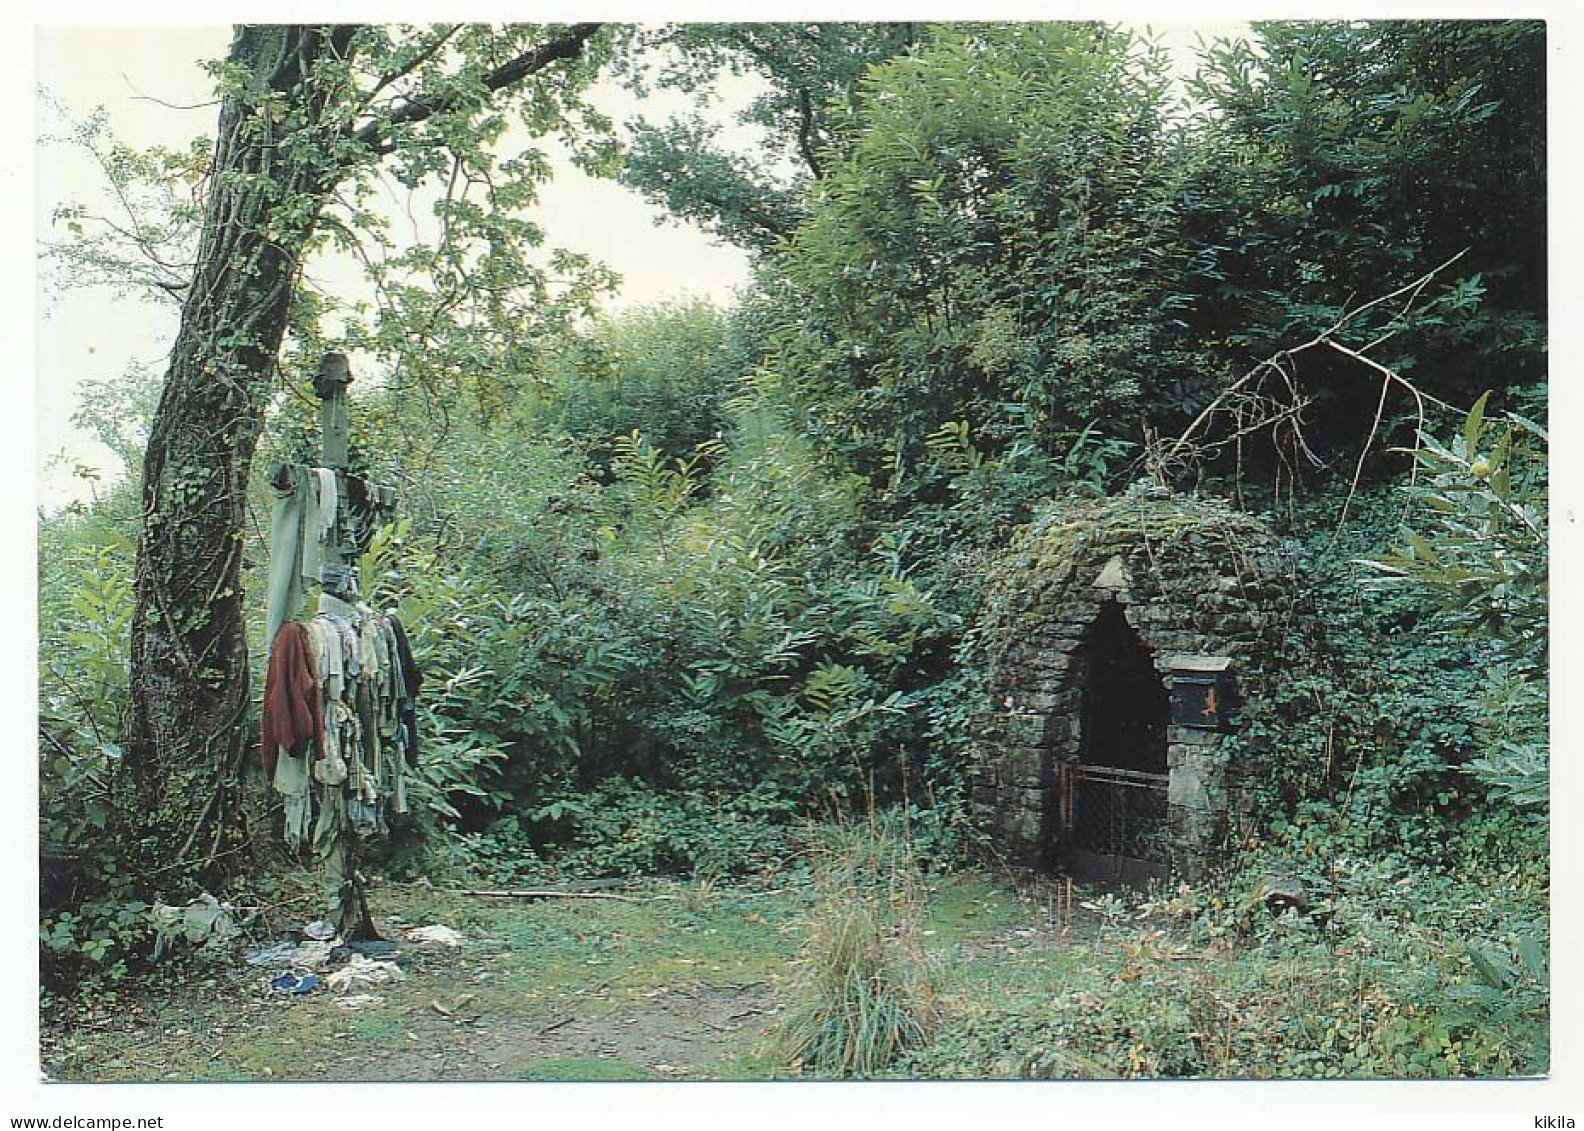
(863, 991)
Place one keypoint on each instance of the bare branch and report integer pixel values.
(1416, 286)
(1364, 450)
(138, 95)
(1237, 392)
(1252, 409)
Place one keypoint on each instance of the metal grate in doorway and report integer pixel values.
(1115, 812)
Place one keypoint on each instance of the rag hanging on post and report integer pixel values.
(338, 730)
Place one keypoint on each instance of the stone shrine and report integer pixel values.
(1123, 637)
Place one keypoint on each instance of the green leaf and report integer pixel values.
(1474, 425)
(1422, 550)
(1490, 967)
(1532, 953)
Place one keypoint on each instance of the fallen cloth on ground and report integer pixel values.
(360, 971)
(445, 936)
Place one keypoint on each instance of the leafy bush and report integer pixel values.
(1401, 971)
(1481, 549)
(1373, 752)
(621, 827)
(1355, 121)
(1002, 245)
(503, 853)
(83, 661)
(92, 914)
(666, 371)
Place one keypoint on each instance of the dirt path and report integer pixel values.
(678, 1032)
(414, 1033)
(537, 991)
(682, 983)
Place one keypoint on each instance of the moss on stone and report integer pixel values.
(1197, 576)
(1161, 538)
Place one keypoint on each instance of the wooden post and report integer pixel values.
(338, 577)
(335, 428)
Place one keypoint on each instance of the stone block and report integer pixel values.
(1192, 736)
(1024, 823)
(1186, 788)
(1024, 767)
(1067, 700)
(1025, 730)
(1192, 830)
(1113, 575)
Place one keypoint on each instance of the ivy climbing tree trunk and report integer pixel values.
(189, 678)
(294, 124)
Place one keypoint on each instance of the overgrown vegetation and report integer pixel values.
(686, 579)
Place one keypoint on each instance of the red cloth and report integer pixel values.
(291, 697)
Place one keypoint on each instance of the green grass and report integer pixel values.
(967, 904)
(549, 950)
(1152, 997)
(575, 1069)
(1002, 978)
(753, 1063)
(377, 1027)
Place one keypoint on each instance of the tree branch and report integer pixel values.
(1182, 444)
(375, 134)
(412, 65)
(806, 132)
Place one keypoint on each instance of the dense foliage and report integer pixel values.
(1345, 160)
(811, 74)
(1001, 246)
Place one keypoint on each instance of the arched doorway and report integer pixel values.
(1115, 803)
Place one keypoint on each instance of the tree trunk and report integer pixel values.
(285, 140)
(272, 166)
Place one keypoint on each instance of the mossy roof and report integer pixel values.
(1071, 539)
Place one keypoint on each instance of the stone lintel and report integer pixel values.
(1192, 736)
